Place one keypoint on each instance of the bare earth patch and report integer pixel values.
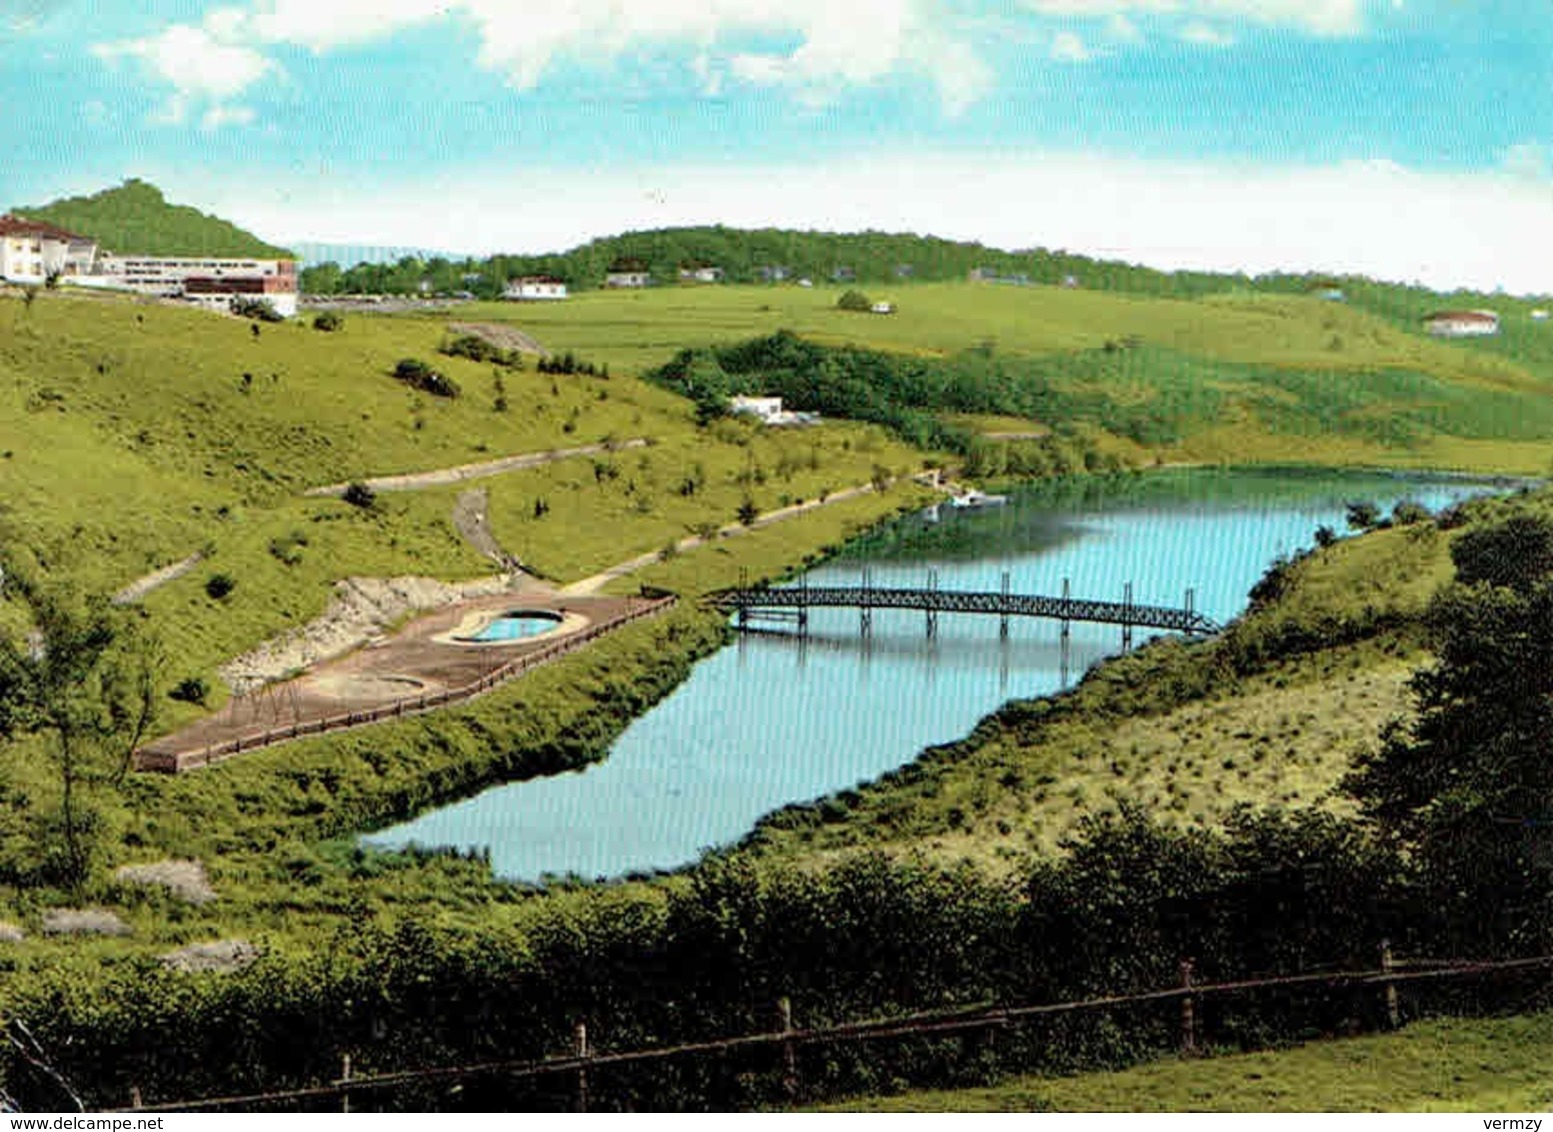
(502, 337)
(220, 955)
(10, 933)
(83, 921)
(362, 609)
(184, 879)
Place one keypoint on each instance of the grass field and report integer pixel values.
(1226, 378)
(1495, 1065)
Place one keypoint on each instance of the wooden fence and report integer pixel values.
(174, 762)
(786, 1039)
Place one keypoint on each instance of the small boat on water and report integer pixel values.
(973, 500)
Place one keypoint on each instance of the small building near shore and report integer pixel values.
(1462, 323)
(627, 273)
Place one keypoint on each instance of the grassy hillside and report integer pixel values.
(133, 435)
(136, 218)
(1227, 378)
(1449, 1065)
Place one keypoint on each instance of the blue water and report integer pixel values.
(517, 627)
(775, 719)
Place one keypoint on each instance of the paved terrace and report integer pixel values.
(418, 669)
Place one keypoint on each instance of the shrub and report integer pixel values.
(289, 548)
(854, 301)
(418, 375)
(192, 690)
(359, 495)
(329, 321)
(478, 349)
(257, 309)
(748, 512)
(219, 586)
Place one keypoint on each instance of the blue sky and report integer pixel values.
(1254, 133)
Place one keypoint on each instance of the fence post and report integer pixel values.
(580, 1049)
(345, 1076)
(1188, 1011)
(1393, 1011)
(789, 1049)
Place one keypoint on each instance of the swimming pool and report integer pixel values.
(518, 625)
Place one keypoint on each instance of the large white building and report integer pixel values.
(211, 282)
(33, 252)
(535, 288)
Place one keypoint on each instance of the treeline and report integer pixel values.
(746, 256)
(913, 396)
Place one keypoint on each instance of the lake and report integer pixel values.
(775, 718)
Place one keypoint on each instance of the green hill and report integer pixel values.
(137, 218)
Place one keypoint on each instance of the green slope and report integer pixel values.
(135, 218)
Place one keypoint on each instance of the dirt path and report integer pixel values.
(471, 518)
(142, 586)
(598, 581)
(441, 477)
(504, 337)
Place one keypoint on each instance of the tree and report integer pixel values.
(1516, 553)
(1363, 515)
(1467, 787)
(854, 301)
(84, 679)
(748, 512)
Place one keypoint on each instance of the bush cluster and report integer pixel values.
(418, 375)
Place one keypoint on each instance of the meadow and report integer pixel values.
(1441, 1065)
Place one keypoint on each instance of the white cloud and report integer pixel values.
(1205, 35)
(1319, 17)
(1377, 218)
(1529, 160)
(1068, 47)
(837, 45)
(194, 61)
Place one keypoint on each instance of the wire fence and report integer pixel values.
(175, 762)
(786, 1040)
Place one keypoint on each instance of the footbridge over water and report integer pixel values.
(793, 603)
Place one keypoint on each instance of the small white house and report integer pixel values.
(1462, 324)
(627, 273)
(883, 308)
(700, 273)
(1539, 315)
(767, 409)
(535, 288)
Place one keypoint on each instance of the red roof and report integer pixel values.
(16, 226)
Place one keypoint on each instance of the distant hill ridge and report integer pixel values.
(135, 218)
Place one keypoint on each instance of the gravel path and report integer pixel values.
(598, 581)
(142, 586)
(471, 518)
(441, 477)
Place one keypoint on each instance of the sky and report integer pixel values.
(1405, 139)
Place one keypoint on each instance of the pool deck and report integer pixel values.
(418, 668)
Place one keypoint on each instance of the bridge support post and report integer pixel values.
(803, 607)
(1003, 612)
(1127, 618)
(932, 609)
(1067, 629)
(865, 612)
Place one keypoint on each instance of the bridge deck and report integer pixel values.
(954, 601)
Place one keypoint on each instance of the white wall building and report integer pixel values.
(1462, 324)
(31, 252)
(535, 288)
(627, 273)
(769, 411)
